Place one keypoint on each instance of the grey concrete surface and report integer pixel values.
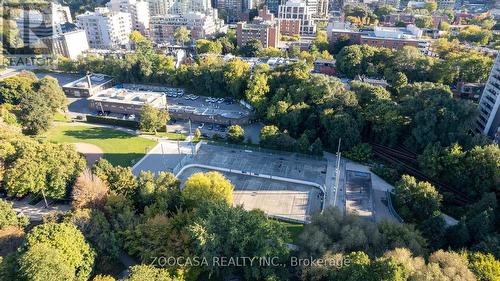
(277, 198)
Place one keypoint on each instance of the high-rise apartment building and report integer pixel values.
(138, 10)
(106, 29)
(297, 9)
(318, 8)
(200, 26)
(232, 10)
(179, 7)
(263, 28)
(488, 121)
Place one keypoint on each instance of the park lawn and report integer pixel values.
(120, 148)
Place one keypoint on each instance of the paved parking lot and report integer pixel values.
(274, 197)
(283, 164)
(163, 157)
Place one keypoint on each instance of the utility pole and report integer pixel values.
(337, 174)
(191, 138)
(45, 199)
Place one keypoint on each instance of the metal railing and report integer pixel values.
(391, 208)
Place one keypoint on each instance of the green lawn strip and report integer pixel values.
(171, 136)
(295, 229)
(61, 117)
(120, 148)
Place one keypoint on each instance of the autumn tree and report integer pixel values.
(89, 191)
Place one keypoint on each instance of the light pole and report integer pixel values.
(337, 174)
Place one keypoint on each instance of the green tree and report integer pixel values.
(444, 26)
(15, 87)
(251, 48)
(430, 6)
(8, 216)
(257, 90)
(317, 147)
(43, 168)
(235, 134)
(148, 272)
(239, 233)
(38, 105)
(163, 236)
(303, 143)
(119, 179)
(44, 263)
(152, 118)
(424, 21)
(206, 46)
(332, 231)
(484, 266)
(416, 201)
(269, 52)
(349, 60)
(475, 34)
(208, 187)
(182, 35)
(236, 74)
(68, 245)
(340, 124)
(361, 153)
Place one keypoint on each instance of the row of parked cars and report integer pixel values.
(216, 127)
(219, 100)
(191, 97)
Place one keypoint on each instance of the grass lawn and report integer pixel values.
(171, 136)
(61, 117)
(295, 229)
(119, 147)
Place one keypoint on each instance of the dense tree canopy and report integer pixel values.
(240, 233)
(331, 231)
(66, 244)
(416, 201)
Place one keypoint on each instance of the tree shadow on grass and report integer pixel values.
(97, 133)
(123, 159)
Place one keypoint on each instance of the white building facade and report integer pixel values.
(488, 121)
(138, 10)
(106, 29)
(200, 26)
(297, 9)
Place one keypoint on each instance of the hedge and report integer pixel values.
(131, 124)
